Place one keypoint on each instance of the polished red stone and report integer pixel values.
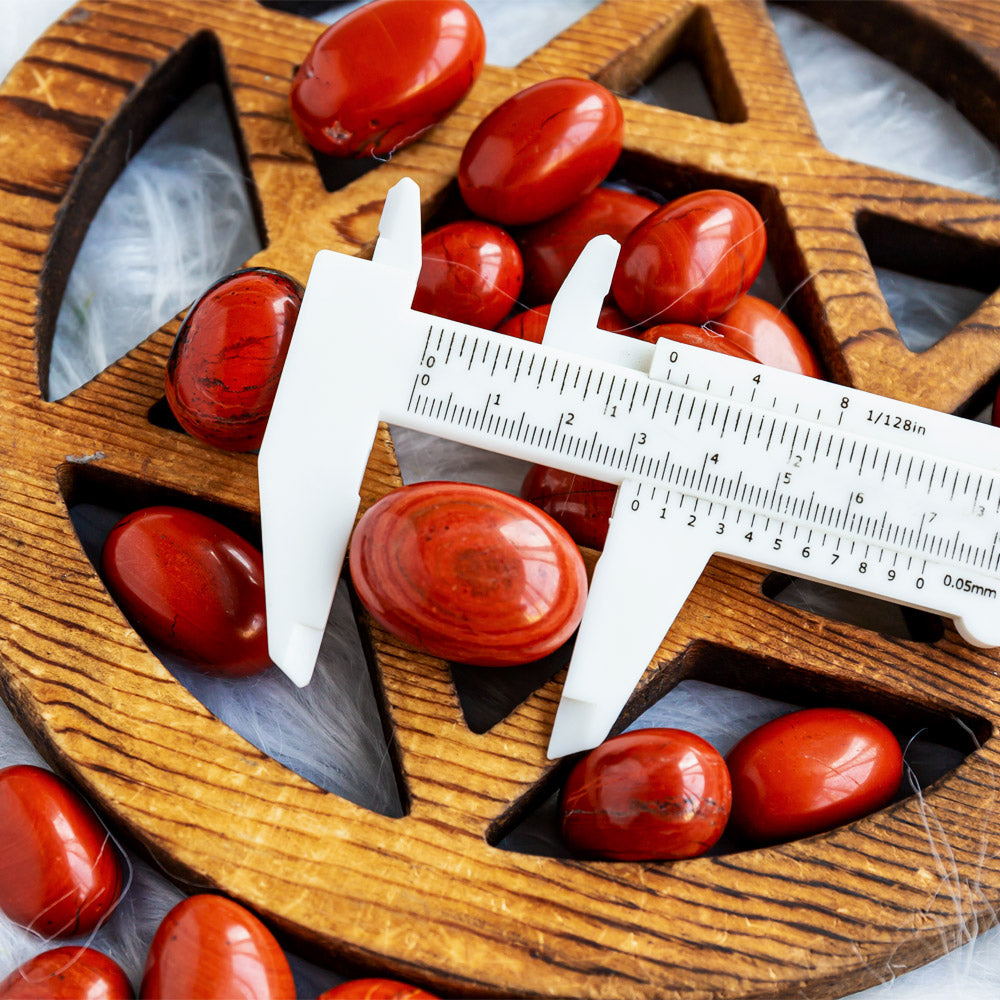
(691, 259)
(191, 586)
(768, 335)
(223, 371)
(68, 973)
(530, 324)
(211, 948)
(541, 150)
(468, 573)
(696, 336)
(580, 504)
(810, 771)
(376, 989)
(471, 273)
(60, 873)
(383, 74)
(550, 248)
(646, 794)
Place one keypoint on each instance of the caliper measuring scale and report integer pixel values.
(712, 454)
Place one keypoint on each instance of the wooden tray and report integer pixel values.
(427, 897)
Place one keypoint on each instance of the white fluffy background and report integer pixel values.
(177, 219)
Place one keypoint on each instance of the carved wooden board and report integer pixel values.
(427, 897)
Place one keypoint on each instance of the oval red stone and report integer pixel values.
(192, 586)
(383, 74)
(471, 273)
(223, 371)
(768, 335)
(541, 150)
(550, 248)
(696, 336)
(211, 948)
(647, 794)
(60, 873)
(68, 973)
(530, 324)
(810, 771)
(580, 504)
(691, 259)
(376, 989)
(468, 573)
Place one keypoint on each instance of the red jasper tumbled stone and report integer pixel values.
(696, 336)
(192, 586)
(376, 989)
(383, 74)
(468, 573)
(211, 948)
(550, 248)
(471, 273)
(67, 973)
(530, 324)
(580, 504)
(810, 771)
(646, 794)
(766, 333)
(541, 150)
(224, 367)
(691, 259)
(60, 873)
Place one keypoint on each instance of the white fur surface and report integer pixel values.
(177, 219)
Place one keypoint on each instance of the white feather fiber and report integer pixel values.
(179, 217)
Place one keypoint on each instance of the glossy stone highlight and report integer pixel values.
(211, 948)
(471, 273)
(551, 247)
(768, 335)
(696, 336)
(191, 586)
(67, 973)
(223, 371)
(60, 873)
(468, 573)
(691, 259)
(810, 771)
(541, 150)
(383, 74)
(646, 795)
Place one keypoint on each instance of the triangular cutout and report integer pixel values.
(723, 715)
(680, 81)
(133, 272)
(489, 694)
(329, 732)
(891, 620)
(931, 281)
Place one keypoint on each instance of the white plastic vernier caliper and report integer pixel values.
(713, 454)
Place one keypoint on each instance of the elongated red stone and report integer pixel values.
(647, 794)
(211, 948)
(191, 586)
(67, 973)
(766, 333)
(375, 989)
(530, 324)
(541, 150)
(468, 573)
(60, 873)
(472, 273)
(691, 259)
(550, 248)
(383, 74)
(223, 371)
(696, 336)
(810, 771)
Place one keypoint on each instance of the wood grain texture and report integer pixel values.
(428, 897)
